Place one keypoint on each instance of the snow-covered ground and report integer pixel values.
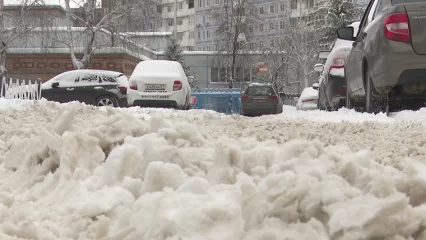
(78, 172)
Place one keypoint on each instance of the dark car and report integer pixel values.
(387, 66)
(95, 87)
(259, 99)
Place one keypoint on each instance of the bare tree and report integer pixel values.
(300, 44)
(17, 23)
(234, 20)
(93, 23)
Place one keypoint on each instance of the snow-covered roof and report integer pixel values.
(147, 34)
(106, 50)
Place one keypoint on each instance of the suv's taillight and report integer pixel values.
(245, 96)
(338, 63)
(177, 85)
(133, 85)
(123, 90)
(397, 27)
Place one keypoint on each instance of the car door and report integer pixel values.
(356, 73)
(88, 88)
(61, 89)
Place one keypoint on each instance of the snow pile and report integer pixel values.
(77, 172)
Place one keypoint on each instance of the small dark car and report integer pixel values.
(95, 87)
(259, 99)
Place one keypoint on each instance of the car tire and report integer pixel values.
(374, 102)
(106, 101)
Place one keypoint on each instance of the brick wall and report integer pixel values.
(46, 66)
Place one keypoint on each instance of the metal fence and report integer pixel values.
(223, 100)
(289, 98)
(20, 88)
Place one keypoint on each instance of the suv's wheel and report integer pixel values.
(106, 101)
(374, 102)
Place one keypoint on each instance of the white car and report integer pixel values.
(332, 85)
(159, 83)
(308, 98)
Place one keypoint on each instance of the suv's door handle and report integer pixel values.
(70, 89)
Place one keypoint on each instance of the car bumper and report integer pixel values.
(174, 99)
(247, 109)
(400, 66)
(307, 106)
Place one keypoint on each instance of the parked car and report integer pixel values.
(95, 87)
(332, 85)
(387, 65)
(308, 98)
(261, 98)
(159, 83)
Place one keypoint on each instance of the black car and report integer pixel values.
(95, 87)
(259, 99)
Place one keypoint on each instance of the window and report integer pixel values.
(180, 21)
(199, 19)
(272, 9)
(191, 35)
(272, 43)
(252, 11)
(282, 24)
(108, 79)
(261, 11)
(272, 26)
(88, 78)
(170, 22)
(159, 9)
(293, 4)
(207, 3)
(169, 8)
(208, 34)
(180, 5)
(214, 74)
(208, 48)
(310, 3)
(261, 44)
(283, 7)
(293, 22)
(208, 18)
(261, 28)
(191, 19)
(200, 48)
(251, 28)
(200, 3)
(252, 46)
(180, 36)
(190, 4)
(199, 35)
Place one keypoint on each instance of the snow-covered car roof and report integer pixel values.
(121, 78)
(157, 68)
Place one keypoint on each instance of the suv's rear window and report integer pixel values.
(260, 91)
(394, 2)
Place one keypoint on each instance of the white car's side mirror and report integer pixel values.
(318, 67)
(315, 86)
(191, 79)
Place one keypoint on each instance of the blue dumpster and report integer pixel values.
(223, 100)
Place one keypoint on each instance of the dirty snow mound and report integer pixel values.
(78, 172)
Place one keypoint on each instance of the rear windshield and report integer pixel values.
(394, 2)
(260, 91)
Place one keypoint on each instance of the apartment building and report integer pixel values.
(183, 11)
(272, 17)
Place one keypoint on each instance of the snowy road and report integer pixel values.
(74, 172)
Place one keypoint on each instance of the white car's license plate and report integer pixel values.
(154, 96)
(155, 87)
